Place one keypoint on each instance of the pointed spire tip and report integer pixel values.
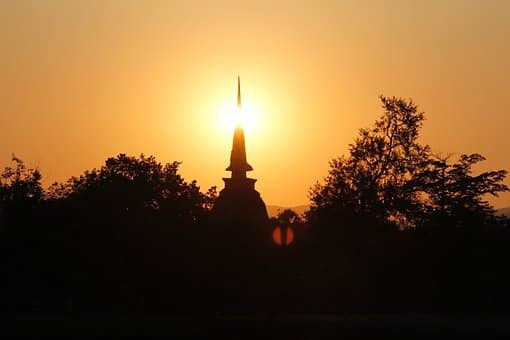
(238, 91)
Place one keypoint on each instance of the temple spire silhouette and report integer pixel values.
(238, 163)
(239, 202)
(238, 92)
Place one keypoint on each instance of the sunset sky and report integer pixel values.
(85, 80)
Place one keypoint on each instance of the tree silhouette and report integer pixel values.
(390, 178)
(20, 184)
(127, 186)
(455, 197)
(20, 192)
(377, 182)
(288, 216)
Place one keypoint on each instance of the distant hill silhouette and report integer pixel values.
(503, 211)
(274, 210)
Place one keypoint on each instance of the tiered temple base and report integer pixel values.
(240, 204)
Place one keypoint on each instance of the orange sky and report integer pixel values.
(83, 80)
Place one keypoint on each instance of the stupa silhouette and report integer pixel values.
(239, 203)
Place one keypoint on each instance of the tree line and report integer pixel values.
(393, 227)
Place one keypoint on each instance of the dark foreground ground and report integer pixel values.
(263, 326)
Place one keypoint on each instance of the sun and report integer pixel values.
(231, 116)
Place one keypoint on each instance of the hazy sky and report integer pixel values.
(85, 80)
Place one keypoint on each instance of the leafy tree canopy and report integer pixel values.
(128, 184)
(20, 184)
(389, 177)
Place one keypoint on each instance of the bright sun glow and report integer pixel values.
(247, 116)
